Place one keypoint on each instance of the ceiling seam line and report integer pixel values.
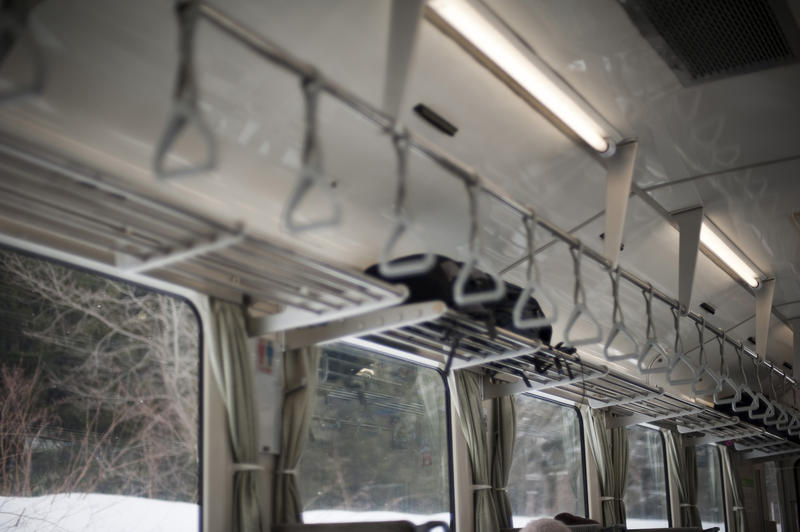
(715, 173)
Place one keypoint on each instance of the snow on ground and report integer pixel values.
(79, 512)
(344, 516)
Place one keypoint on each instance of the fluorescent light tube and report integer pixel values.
(480, 33)
(720, 248)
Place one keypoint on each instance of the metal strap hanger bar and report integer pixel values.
(201, 248)
(762, 445)
(685, 429)
(493, 390)
(702, 440)
(756, 454)
(268, 50)
(371, 323)
(627, 421)
(594, 403)
(461, 364)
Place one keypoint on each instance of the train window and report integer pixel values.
(710, 495)
(378, 441)
(547, 475)
(772, 484)
(99, 416)
(646, 502)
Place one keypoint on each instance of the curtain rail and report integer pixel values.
(271, 51)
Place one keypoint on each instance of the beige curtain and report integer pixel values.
(610, 450)
(732, 482)
(682, 470)
(234, 374)
(299, 391)
(471, 417)
(505, 433)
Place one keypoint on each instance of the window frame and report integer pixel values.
(581, 437)
(718, 452)
(376, 351)
(193, 299)
(667, 483)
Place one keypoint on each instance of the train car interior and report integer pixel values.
(399, 265)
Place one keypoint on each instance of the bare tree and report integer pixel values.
(122, 362)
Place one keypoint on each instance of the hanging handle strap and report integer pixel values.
(404, 267)
(745, 390)
(13, 27)
(460, 294)
(618, 324)
(725, 378)
(533, 287)
(679, 354)
(311, 170)
(579, 305)
(651, 350)
(704, 370)
(185, 112)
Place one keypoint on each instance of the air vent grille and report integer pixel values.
(702, 40)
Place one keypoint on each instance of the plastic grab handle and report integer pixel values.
(582, 310)
(617, 329)
(405, 267)
(462, 298)
(794, 425)
(651, 346)
(681, 358)
(745, 391)
(735, 398)
(182, 116)
(519, 308)
(780, 422)
(36, 83)
(769, 412)
(290, 221)
(708, 390)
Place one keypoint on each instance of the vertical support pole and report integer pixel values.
(764, 295)
(689, 223)
(403, 26)
(618, 190)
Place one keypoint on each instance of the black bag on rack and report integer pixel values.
(437, 284)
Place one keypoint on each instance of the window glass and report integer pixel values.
(377, 447)
(99, 415)
(547, 476)
(710, 497)
(772, 485)
(646, 490)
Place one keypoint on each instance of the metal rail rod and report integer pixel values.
(271, 51)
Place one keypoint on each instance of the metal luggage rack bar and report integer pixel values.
(65, 206)
(275, 54)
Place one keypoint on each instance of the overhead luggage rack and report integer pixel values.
(61, 205)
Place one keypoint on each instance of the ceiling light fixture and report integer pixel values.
(479, 32)
(716, 243)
